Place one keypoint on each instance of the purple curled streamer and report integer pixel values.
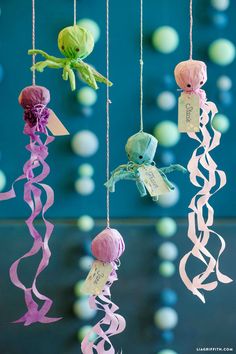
(111, 324)
(33, 189)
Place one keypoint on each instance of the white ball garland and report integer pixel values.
(168, 251)
(85, 223)
(84, 186)
(83, 310)
(166, 318)
(85, 143)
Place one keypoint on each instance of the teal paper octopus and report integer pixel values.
(75, 43)
(140, 149)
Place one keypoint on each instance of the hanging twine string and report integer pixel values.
(141, 65)
(33, 40)
(75, 12)
(108, 102)
(191, 31)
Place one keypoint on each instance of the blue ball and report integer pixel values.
(226, 98)
(86, 111)
(220, 20)
(167, 157)
(1, 72)
(168, 297)
(87, 247)
(167, 336)
(169, 81)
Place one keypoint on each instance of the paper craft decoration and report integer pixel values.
(107, 247)
(190, 76)
(75, 43)
(38, 195)
(140, 149)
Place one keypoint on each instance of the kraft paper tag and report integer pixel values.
(97, 278)
(189, 113)
(153, 180)
(55, 125)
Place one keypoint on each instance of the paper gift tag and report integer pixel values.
(189, 113)
(153, 180)
(55, 125)
(97, 278)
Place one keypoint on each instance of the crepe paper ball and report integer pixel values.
(82, 309)
(167, 336)
(84, 186)
(85, 263)
(220, 20)
(166, 318)
(85, 223)
(167, 133)
(108, 245)
(166, 269)
(166, 100)
(169, 199)
(86, 170)
(168, 297)
(77, 289)
(167, 351)
(87, 96)
(220, 5)
(90, 26)
(224, 83)
(226, 98)
(167, 157)
(166, 227)
(165, 39)
(1, 72)
(168, 251)
(85, 143)
(3, 180)
(86, 111)
(190, 74)
(221, 123)
(83, 331)
(222, 52)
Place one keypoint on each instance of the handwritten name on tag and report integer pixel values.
(189, 113)
(153, 181)
(97, 278)
(55, 125)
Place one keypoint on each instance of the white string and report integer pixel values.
(33, 40)
(108, 102)
(75, 12)
(141, 65)
(191, 31)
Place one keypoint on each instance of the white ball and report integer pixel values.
(85, 143)
(166, 227)
(85, 263)
(167, 351)
(83, 331)
(224, 83)
(87, 96)
(85, 223)
(90, 26)
(168, 251)
(166, 100)
(169, 199)
(86, 170)
(3, 180)
(220, 5)
(83, 310)
(166, 318)
(84, 186)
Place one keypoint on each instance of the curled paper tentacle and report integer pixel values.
(202, 215)
(98, 339)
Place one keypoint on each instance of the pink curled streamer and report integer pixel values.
(111, 324)
(32, 195)
(199, 230)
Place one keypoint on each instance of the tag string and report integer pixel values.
(33, 41)
(108, 102)
(141, 65)
(75, 12)
(191, 30)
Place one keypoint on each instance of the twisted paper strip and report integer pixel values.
(111, 324)
(202, 215)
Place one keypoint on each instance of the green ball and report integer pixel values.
(83, 331)
(166, 269)
(87, 96)
(221, 123)
(167, 351)
(166, 227)
(165, 39)
(85, 223)
(86, 170)
(222, 52)
(3, 180)
(90, 26)
(167, 133)
(77, 288)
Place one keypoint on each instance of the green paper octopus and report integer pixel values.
(140, 149)
(75, 43)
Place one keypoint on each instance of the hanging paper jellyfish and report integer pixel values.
(75, 43)
(196, 115)
(38, 195)
(140, 149)
(107, 247)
